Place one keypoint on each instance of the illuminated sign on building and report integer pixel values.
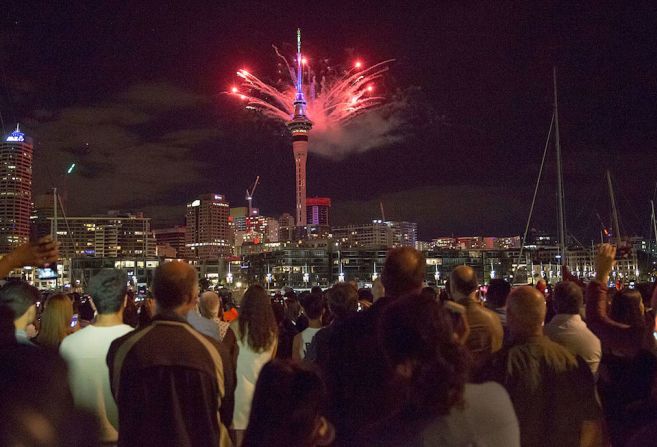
(16, 136)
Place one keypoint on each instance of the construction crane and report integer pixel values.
(249, 195)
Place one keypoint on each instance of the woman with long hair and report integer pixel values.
(55, 321)
(257, 333)
(287, 408)
(430, 367)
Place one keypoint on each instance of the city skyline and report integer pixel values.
(106, 93)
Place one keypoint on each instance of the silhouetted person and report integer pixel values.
(486, 333)
(355, 370)
(496, 295)
(552, 390)
(86, 350)
(167, 378)
(567, 327)
(438, 407)
(288, 408)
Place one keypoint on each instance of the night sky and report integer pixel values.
(131, 91)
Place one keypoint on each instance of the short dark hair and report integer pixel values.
(568, 298)
(108, 288)
(316, 289)
(498, 292)
(18, 296)
(403, 271)
(313, 305)
(171, 283)
(342, 299)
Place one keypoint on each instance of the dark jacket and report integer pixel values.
(168, 382)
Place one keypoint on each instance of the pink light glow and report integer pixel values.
(332, 100)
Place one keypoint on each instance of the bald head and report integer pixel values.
(403, 272)
(175, 284)
(209, 305)
(525, 310)
(462, 282)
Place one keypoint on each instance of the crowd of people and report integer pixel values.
(401, 364)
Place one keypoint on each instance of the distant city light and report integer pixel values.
(196, 203)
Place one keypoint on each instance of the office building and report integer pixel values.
(15, 190)
(207, 233)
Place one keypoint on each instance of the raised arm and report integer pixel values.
(596, 296)
(37, 254)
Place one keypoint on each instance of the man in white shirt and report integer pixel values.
(85, 351)
(569, 330)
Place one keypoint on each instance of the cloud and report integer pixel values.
(374, 129)
(122, 161)
(161, 96)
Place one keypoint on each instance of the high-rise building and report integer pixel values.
(172, 237)
(300, 126)
(404, 234)
(207, 232)
(286, 228)
(317, 211)
(15, 190)
(374, 234)
(111, 236)
(378, 233)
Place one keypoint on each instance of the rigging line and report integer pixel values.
(538, 181)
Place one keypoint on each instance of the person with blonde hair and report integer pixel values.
(55, 321)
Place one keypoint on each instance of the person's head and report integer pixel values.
(209, 304)
(175, 287)
(497, 293)
(287, 408)
(316, 289)
(21, 298)
(313, 306)
(567, 298)
(462, 282)
(365, 294)
(419, 343)
(55, 320)
(403, 272)
(108, 289)
(525, 312)
(627, 308)
(541, 286)
(257, 324)
(293, 308)
(342, 300)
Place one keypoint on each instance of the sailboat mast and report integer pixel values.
(654, 221)
(614, 210)
(557, 144)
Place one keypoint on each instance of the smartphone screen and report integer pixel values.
(74, 320)
(47, 272)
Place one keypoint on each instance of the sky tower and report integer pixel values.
(300, 125)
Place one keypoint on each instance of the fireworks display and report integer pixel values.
(334, 98)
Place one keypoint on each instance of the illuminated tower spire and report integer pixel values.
(299, 126)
